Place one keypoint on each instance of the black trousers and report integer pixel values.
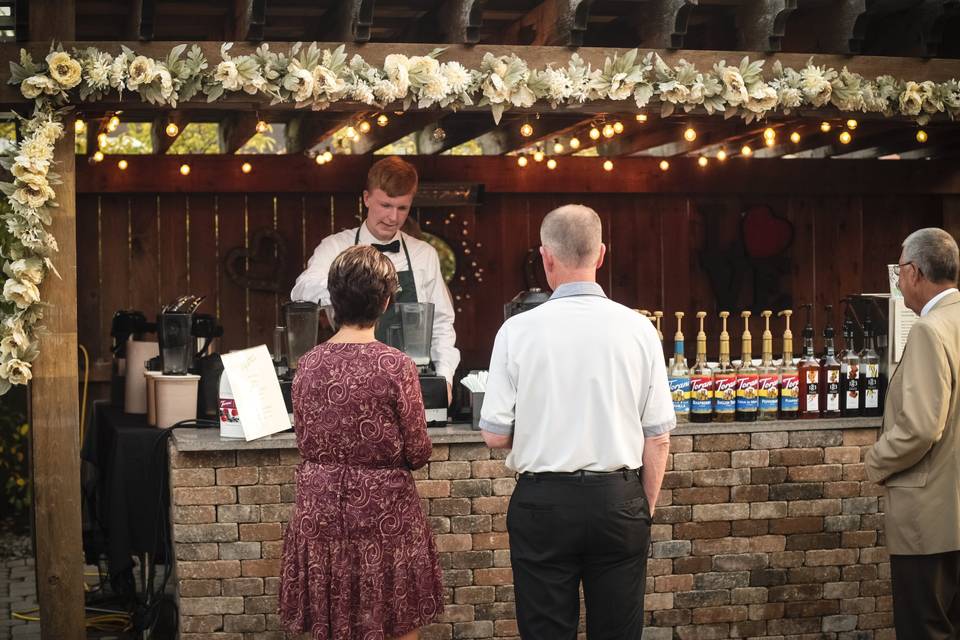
(926, 596)
(564, 529)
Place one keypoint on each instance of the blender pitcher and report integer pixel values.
(302, 319)
(176, 342)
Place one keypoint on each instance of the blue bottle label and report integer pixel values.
(680, 391)
(790, 393)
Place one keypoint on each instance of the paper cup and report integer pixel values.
(176, 399)
(135, 386)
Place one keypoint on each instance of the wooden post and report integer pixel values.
(53, 398)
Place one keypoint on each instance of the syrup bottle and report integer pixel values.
(725, 379)
(748, 402)
(701, 380)
(870, 372)
(769, 382)
(789, 376)
(849, 371)
(829, 372)
(679, 375)
(809, 372)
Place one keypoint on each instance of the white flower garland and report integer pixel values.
(310, 77)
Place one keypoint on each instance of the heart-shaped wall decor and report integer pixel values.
(765, 234)
(259, 266)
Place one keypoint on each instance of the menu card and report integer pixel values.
(256, 391)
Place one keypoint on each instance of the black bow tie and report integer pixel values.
(390, 247)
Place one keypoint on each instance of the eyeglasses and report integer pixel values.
(897, 267)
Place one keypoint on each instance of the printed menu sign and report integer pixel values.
(256, 392)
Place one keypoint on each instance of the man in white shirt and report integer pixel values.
(578, 390)
(391, 186)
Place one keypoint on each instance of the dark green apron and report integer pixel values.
(407, 292)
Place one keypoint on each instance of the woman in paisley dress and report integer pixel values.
(359, 560)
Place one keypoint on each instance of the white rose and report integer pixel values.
(9, 348)
(457, 76)
(22, 294)
(228, 75)
(34, 86)
(674, 92)
(16, 371)
(696, 94)
(500, 68)
(33, 197)
(64, 69)
(496, 90)
(424, 65)
(143, 70)
(619, 89)
(17, 331)
(397, 67)
(326, 81)
(33, 180)
(816, 88)
(911, 100)
(735, 92)
(299, 81)
(25, 270)
(166, 83)
(762, 98)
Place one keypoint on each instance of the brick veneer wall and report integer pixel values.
(768, 534)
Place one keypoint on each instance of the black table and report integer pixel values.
(126, 493)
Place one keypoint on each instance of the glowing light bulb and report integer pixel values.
(113, 123)
(851, 124)
(721, 155)
(769, 134)
(246, 167)
(574, 143)
(795, 137)
(79, 126)
(262, 126)
(184, 169)
(522, 161)
(551, 164)
(845, 137)
(702, 161)
(538, 156)
(745, 150)
(172, 129)
(690, 134)
(383, 120)
(351, 133)
(641, 117)
(608, 165)
(364, 126)
(594, 133)
(770, 142)
(328, 156)
(825, 126)
(122, 165)
(608, 131)
(664, 165)
(558, 147)
(101, 139)
(98, 156)
(618, 127)
(526, 130)
(320, 159)
(921, 136)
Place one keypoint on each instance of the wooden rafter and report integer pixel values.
(142, 16)
(305, 130)
(707, 134)
(552, 22)
(457, 129)
(641, 140)
(249, 19)
(507, 137)
(662, 24)
(161, 140)
(843, 26)
(352, 20)
(235, 130)
(398, 126)
(761, 24)
(459, 21)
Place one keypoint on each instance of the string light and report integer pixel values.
(538, 156)
(79, 126)
(98, 156)
(557, 146)
(845, 137)
(262, 126)
(184, 169)
(113, 123)
(328, 156)
(351, 133)
(526, 130)
(383, 120)
(921, 136)
(608, 165)
(770, 141)
(574, 143)
(664, 165)
(101, 139)
(551, 164)
(618, 127)
(721, 155)
(851, 124)
(825, 126)
(172, 129)
(246, 167)
(690, 134)
(608, 131)
(522, 161)
(320, 159)
(745, 150)
(795, 138)
(702, 161)
(594, 133)
(641, 117)
(364, 126)
(769, 134)
(122, 165)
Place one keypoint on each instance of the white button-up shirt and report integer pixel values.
(312, 285)
(579, 381)
(927, 308)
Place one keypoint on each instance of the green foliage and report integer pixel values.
(14, 458)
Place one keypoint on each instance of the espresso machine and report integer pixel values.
(411, 331)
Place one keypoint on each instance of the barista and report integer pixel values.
(391, 186)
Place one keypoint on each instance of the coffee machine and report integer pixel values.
(411, 331)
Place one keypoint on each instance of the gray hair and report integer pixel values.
(573, 235)
(934, 252)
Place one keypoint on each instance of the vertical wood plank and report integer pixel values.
(114, 258)
(89, 325)
(173, 243)
(290, 211)
(262, 305)
(839, 257)
(233, 306)
(204, 257)
(317, 223)
(144, 280)
(801, 212)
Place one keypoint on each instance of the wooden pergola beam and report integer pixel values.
(305, 130)
(843, 25)
(142, 14)
(398, 126)
(54, 391)
(662, 24)
(161, 140)
(507, 137)
(352, 20)
(459, 21)
(761, 24)
(235, 130)
(249, 20)
(457, 128)
(552, 22)
(641, 140)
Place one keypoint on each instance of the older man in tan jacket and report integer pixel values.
(917, 457)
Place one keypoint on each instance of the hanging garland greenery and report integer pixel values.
(315, 78)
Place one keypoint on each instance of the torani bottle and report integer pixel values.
(789, 376)
(701, 380)
(679, 375)
(748, 402)
(725, 379)
(768, 384)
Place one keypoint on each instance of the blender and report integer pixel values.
(302, 321)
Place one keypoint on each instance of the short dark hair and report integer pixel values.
(394, 176)
(361, 281)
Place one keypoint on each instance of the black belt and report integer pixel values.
(582, 473)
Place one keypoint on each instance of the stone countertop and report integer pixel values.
(187, 440)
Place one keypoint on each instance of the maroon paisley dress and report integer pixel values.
(359, 561)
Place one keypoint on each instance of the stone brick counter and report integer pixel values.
(762, 530)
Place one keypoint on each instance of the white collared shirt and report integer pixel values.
(579, 381)
(935, 299)
(312, 285)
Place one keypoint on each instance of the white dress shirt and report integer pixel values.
(579, 381)
(935, 299)
(312, 285)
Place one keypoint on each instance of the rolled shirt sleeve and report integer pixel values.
(445, 355)
(500, 398)
(656, 414)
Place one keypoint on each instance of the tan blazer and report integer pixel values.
(917, 457)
